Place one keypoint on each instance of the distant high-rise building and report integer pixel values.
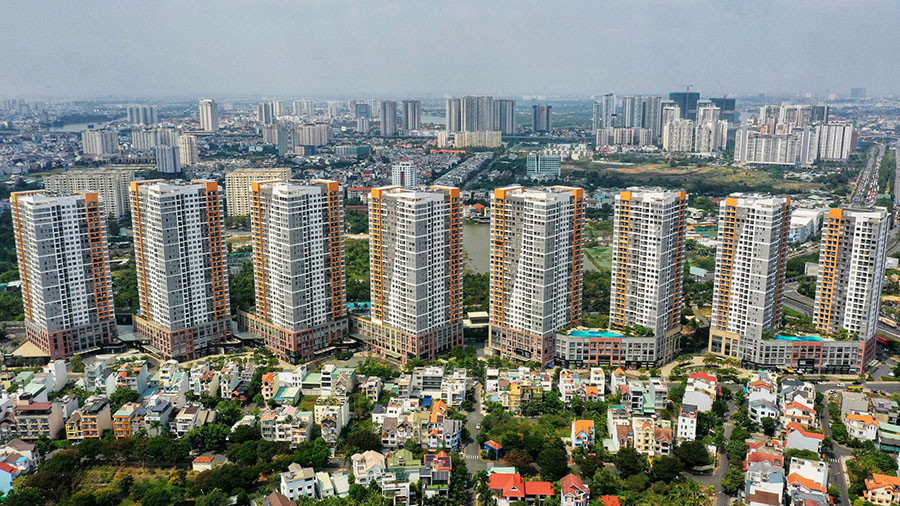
(298, 264)
(237, 186)
(411, 117)
(304, 107)
(318, 134)
(749, 282)
(388, 118)
(209, 115)
(537, 260)
(179, 249)
(476, 113)
(168, 159)
(727, 106)
(652, 115)
(798, 147)
(687, 102)
(265, 113)
(648, 267)
(851, 272)
(836, 140)
(541, 166)
(362, 110)
(147, 115)
(706, 111)
(597, 116)
(403, 174)
(335, 109)
(505, 116)
(99, 142)
(189, 151)
(144, 140)
(416, 271)
(608, 110)
(362, 125)
(710, 137)
(483, 138)
(541, 118)
(820, 113)
(112, 185)
(858, 93)
(169, 136)
(632, 112)
(62, 248)
(453, 113)
(678, 136)
(670, 112)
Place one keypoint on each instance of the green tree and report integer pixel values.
(666, 469)
(241, 289)
(733, 480)
(605, 482)
(121, 396)
(77, 363)
(629, 462)
(554, 463)
(215, 498)
(228, 412)
(692, 454)
(769, 425)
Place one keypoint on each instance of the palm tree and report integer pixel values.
(482, 490)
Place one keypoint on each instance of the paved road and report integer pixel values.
(803, 304)
(472, 450)
(836, 471)
(722, 499)
(866, 188)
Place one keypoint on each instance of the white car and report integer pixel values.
(842, 385)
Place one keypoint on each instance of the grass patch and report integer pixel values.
(601, 257)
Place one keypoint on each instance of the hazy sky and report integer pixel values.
(382, 47)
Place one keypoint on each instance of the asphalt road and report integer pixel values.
(722, 499)
(836, 475)
(472, 451)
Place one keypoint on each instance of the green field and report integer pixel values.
(601, 257)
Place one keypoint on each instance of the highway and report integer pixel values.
(805, 305)
(866, 190)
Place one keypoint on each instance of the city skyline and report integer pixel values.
(533, 34)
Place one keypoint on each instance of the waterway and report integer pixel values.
(477, 246)
(78, 127)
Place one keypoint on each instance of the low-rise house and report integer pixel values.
(132, 375)
(573, 491)
(286, 424)
(652, 437)
(192, 417)
(808, 478)
(324, 485)
(663, 441)
(396, 431)
(299, 482)
(882, 490)
(21, 455)
(762, 408)
(277, 499)
(158, 417)
(205, 463)
(888, 437)
(701, 391)
(885, 410)
(125, 421)
(854, 402)
(687, 423)
(509, 488)
(435, 474)
(582, 433)
(367, 466)
(7, 474)
(373, 387)
(442, 431)
(862, 427)
(800, 413)
(763, 498)
(90, 420)
(798, 438)
(616, 379)
(269, 385)
(659, 391)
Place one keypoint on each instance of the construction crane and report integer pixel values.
(687, 86)
(724, 95)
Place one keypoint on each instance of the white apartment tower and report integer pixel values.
(537, 260)
(179, 250)
(112, 185)
(99, 142)
(648, 266)
(146, 115)
(188, 151)
(851, 272)
(237, 186)
(632, 112)
(209, 115)
(62, 253)
(415, 253)
(298, 263)
(749, 281)
(404, 174)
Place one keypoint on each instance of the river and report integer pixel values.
(78, 127)
(477, 244)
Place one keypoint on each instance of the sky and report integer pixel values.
(222, 48)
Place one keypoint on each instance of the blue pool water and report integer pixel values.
(798, 338)
(595, 333)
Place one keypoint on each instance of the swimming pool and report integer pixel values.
(595, 333)
(799, 338)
